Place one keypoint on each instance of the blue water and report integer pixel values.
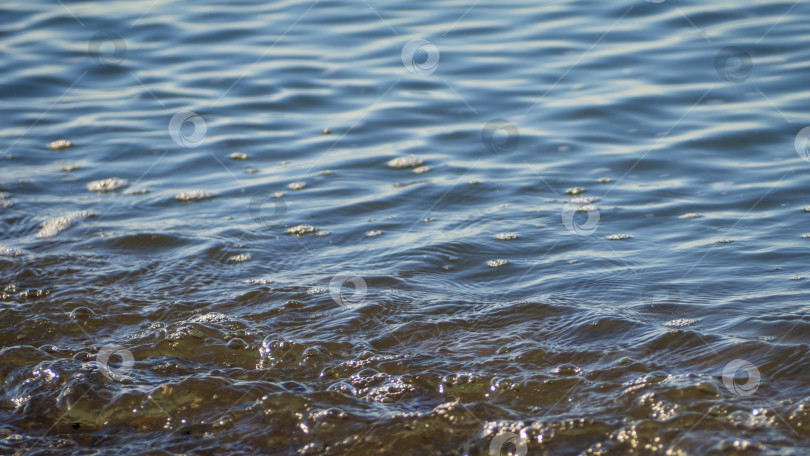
(568, 227)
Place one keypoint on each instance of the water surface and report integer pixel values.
(568, 227)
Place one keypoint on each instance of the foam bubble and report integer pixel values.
(193, 195)
(301, 230)
(405, 162)
(60, 144)
(55, 226)
(106, 185)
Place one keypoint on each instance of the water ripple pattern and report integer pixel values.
(330, 228)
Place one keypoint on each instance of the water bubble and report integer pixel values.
(59, 144)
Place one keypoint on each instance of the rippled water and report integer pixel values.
(569, 227)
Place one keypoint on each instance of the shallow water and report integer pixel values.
(444, 227)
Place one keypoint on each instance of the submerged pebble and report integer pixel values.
(59, 144)
(405, 162)
(301, 230)
(106, 185)
(192, 195)
(55, 226)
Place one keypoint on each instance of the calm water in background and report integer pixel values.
(440, 310)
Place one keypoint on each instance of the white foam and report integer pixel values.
(192, 195)
(55, 226)
(406, 162)
(106, 185)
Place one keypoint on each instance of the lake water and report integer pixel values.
(431, 227)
